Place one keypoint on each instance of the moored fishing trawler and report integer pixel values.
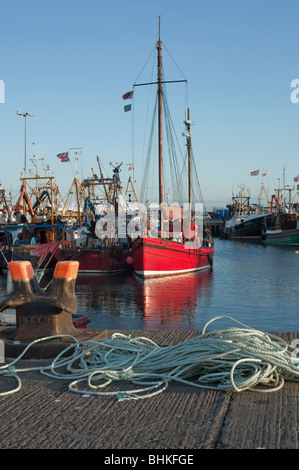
(247, 222)
(285, 231)
(281, 237)
(263, 222)
(31, 230)
(164, 254)
(104, 254)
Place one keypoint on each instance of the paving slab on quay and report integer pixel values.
(45, 414)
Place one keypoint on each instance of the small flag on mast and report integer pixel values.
(296, 179)
(128, 95)
(63, 157)
(127, 108)
(254, 173)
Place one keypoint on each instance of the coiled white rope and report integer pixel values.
(232, 359)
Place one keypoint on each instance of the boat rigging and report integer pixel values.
(167, 254)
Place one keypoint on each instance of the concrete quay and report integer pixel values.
(45, 414)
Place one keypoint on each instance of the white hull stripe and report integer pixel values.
(167, 273)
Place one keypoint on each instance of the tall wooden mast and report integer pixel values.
(160, 99)
(160, 82)
(187, 124)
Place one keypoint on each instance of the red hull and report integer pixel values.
(155, 257)
(80, 321)
(94, 261)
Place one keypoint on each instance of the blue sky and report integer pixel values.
(69, 62)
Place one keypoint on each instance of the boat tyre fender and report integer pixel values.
(210, 258)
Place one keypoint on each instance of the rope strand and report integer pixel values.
(232, 359)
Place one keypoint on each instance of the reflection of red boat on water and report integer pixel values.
(167, 302)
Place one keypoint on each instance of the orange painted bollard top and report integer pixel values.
(66, 269)
(20, 270)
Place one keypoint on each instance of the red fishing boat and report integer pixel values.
(154, 257)
(102, 261)
(162, 255)
(96, 255)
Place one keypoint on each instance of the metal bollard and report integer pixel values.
(40, 314)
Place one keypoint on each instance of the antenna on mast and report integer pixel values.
(159, 26)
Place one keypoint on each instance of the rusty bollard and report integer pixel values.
(43, 314)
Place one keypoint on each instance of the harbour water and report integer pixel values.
(255, 284)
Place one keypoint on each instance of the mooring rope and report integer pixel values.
(233, 359)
